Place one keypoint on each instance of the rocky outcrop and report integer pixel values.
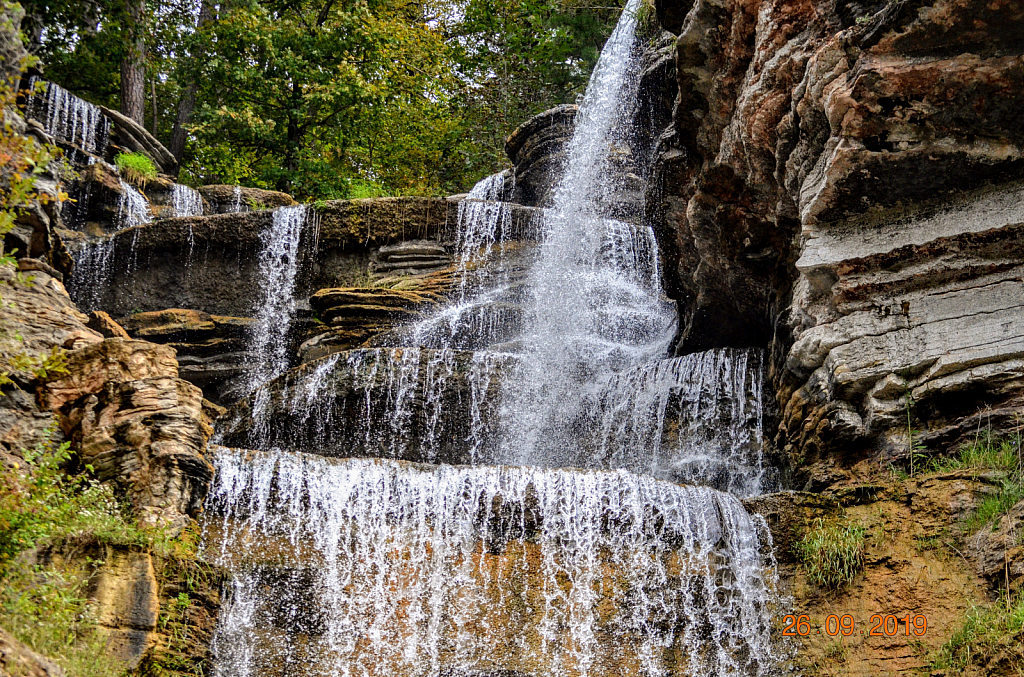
(37, 318)
(223, 199)
(127, 604)
(348, 317)
(838, 181)
(137, 424)
(210, 263)
(105, 325)
(415, 257)
(135, 138)
(537, 150)
(212, 350)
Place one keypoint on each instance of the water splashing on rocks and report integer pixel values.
(186, 201)
(397, 569)
(67, 118)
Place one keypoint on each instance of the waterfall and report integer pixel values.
(132, 207)
(396, 569)
(694, 419)
(278, 269)
(595, 305)
(67, 118)
(186, 201)
(497, 497)
(91, 273)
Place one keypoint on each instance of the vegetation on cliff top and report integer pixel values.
(325, 99)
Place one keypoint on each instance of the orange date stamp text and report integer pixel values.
(878, 625)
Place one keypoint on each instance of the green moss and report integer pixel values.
(831, 553)
(135, 168)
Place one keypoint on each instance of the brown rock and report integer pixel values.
(368, 296)
(170, 324)
(230, 199)
(108, 361)
(105, 325)
(127, 604)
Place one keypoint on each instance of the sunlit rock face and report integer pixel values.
(840, 180)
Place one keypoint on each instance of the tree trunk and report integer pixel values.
(133, 65)
(187, 103)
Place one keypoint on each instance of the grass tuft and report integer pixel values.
(989, 454)
(135, 168)
(832, 553)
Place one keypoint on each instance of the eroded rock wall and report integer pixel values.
(840, 182)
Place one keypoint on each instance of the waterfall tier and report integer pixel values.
(384, 568)
(695, 419)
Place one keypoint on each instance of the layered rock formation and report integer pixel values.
(815, 191)
(349, 317)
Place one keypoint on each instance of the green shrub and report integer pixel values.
(135, 168)
(47, 608)
(831, 553)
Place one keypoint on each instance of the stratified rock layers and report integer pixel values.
(840, 182)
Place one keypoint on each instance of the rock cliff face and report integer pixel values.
(838, 182)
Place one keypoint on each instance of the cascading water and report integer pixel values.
(595, 302)
(132, 207)
(396, 569)
(186, 201)
(278, 268)
(67, 118)
(357, 567)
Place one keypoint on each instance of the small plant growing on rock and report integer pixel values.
(135, 168)
(832, 553)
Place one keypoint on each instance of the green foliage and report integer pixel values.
(22, 160)
(332, 100)
(39, 502)
(135, 168)
(831, 553)
(987, 453)
(984, 630)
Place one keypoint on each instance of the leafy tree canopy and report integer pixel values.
(333, 98)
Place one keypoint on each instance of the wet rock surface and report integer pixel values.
(537, 150)
(221, 199)
(402, 403)
(840, 180)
